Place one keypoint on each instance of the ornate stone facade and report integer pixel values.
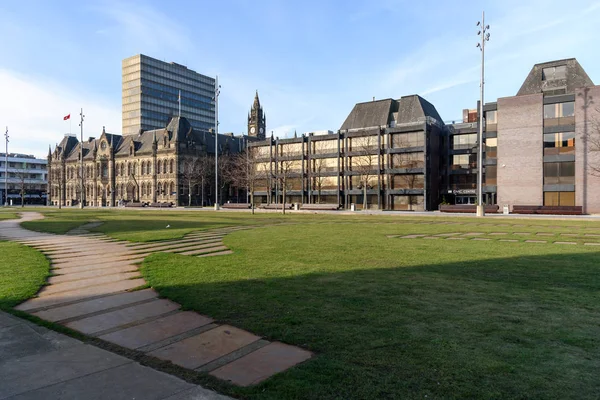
(147, 167)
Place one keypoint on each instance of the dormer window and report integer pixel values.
(554, 73)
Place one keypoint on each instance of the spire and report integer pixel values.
(154, 138)
(295, 134)
(256, 104)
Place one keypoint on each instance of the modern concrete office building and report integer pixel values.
(151, 91)
(541, 148)
(25, 173)
(386, 151)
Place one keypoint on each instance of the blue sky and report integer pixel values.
(311, 61)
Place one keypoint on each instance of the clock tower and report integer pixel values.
(257, 120)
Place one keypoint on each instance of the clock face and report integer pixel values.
(252, 130)
(261, 130)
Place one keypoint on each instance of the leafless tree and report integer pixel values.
(284, 174)
(22, 176)
(364, 162)
(56, 182)
(194, 171)
(593, 142)
(318, 168)
(264, 173)
(245, 172)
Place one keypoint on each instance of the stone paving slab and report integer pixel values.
(106, 261)
(176, 249)
(204, 251)
(157, 330)
(74, 276)
(169, 243)
(592, 244)
(7, 320)
(208, 346)
(261, 364)
(535, 241)
(87, 282)
(220, 253)
(132, 380)
(197, 393)
(18, 376)
(23, 340)
(124, 316)
(80, 294)
(565, 243)
(92, 267)
(93, 306)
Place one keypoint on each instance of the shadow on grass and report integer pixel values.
(513, 327)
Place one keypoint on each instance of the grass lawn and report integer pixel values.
(23, 271)
(407, 318)
(7, 214)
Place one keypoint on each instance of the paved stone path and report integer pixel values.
(91, 291)
(497, 236)
(37, 363)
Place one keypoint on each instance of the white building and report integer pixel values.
(24, 172)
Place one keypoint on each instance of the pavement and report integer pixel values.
(95, 289)
(38, 363)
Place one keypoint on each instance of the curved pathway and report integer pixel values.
(92, 290)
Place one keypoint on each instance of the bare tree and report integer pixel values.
(318, 167)
(284, 173)
(245, 173)
(56, 182)
(264, 173)
(593, 142)
(365, 163)
(22, 176)
(194, 171)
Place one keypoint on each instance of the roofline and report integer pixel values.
(374, 101)
(555, 61)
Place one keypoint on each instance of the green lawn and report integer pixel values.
(389, 317)
(23, 271)
(405, 318)
(7, 214)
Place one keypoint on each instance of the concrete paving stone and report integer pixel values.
(473, 234)
(177, 338)
(239, 353)
(456, 238)
(157, 330)
(7, 320)
(164, 243)
(198, 350)
(480, 239)
(105, 254)
(392, 236)
(431, 237)
(522, 233)
(220, 253)
(92, 267)
(197, 393)
(591, 235)
(39, 370)
(565, 243)
(262, 364)
(508, 240)
(124, 316)
(448, 234)
(26, 339)
(570, 234)
(204, 251)
(544, 234)
(87, 254)
(412, 236)
(99, 261)
(535, 241)
(128, 381)
(90, 274)
(83, 283)
(79, 294)
(592, 244)
(498, 233)
(178, 247)
(93, 306)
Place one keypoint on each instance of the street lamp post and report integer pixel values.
(216, 98)
(6, 169)
(484, 37)
(81, 161)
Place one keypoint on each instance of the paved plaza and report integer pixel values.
(94, 289)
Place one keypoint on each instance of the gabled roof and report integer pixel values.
(369, 114)
(414, 108)
(575, 77)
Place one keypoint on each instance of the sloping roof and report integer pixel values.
(369, 114)
(576, 77)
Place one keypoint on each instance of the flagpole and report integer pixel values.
(6, 170)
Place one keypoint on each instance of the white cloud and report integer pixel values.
(33, 109)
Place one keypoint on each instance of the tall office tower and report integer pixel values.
(151, 95)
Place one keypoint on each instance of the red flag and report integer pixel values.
(66, 117)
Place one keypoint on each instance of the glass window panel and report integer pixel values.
(549, 111)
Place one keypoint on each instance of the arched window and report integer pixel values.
(158, 189)
(171, 188)
(171, 165)
(164, 170)
(122, 168)
(158, 167)
(143, 168)
(149, 169)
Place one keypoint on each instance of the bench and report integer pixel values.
(276, 206)
(548, 210)
(160, 205)
(326, 207)
(134, 204)
(236, 206)
(467, 208)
